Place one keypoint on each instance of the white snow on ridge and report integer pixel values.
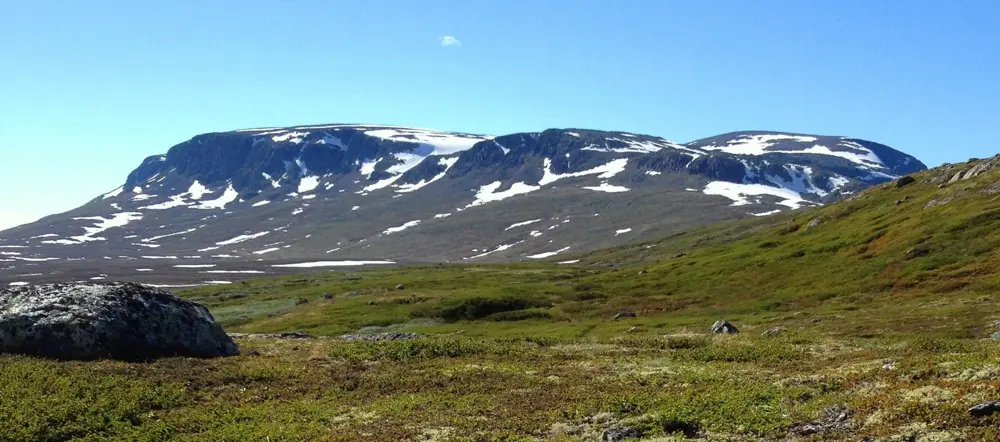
(446, 162)
(738, 193)
(401, 228)
(291, 137)
(606, 171)
(114, 193)
(47, 235)
(769, 212)
(622, 231)
(227, 197)
(605, 187)
(169, 235)
(652, 173)
(103, 224)
(265, 251)
(194, 266)
(260, 203)
(548, 254)
(760, 144)
(308, 184)
(242, 238)
(801, 180)
(524, 223)
(488, 192)
(332, 264)
(499, 248)
(197, 190)
(442, 143)
(368, 167)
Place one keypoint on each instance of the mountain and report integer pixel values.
(249, 200)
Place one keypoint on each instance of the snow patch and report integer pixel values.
(401, 228)
(523, 223)
(605, 187)
(739, 193)
(488, 193)
(241, 238)
(548, 254)
(606, 171)
(622, 231)
(332, 264)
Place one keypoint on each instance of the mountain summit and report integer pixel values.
(350, 194)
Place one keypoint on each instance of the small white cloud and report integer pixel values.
(450, 42)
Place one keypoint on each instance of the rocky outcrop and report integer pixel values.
(723, 327)
(107, 320)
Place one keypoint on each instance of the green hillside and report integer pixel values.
(878, 308)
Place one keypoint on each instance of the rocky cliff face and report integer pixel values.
(345, 193)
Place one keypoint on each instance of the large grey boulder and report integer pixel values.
(107, 320)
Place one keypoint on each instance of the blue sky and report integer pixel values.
(88, 89)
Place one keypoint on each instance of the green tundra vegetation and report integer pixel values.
(868, 319)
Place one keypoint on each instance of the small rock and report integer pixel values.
(939, 202)
(642, 272)
(985, 409)
(723, 326)
(814, 222)
(815, 320)
(301, 301)
(328, 296)
(253, 353)
(906, 180)
(773, 332)
(400, 287)
(995, 336)
(392, 336)
(833, 419)
(942, 186)
(889, 366)
(371, 302)
(624, 315)
(618, 434)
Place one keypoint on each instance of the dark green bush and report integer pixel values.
(480, 307)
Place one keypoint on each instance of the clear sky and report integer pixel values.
(90, 88)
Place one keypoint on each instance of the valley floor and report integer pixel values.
(674, 387)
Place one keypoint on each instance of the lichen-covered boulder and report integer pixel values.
(124, 321)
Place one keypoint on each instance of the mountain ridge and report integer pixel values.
(390, 193)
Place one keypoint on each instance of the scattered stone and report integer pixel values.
(400, 287)
(995, 336)
(889, 366)
(816, 320)
(391, 336)
(125, 321)
(253, 353)
(285, 335)
(939, 202)
(985, 409)
(371, 302)
(301, 301)
(328, 296)
(814, 222)
(833, 419)
(906, 180)
(942, 186)
(723, 326)
(617, 434)
(624, 315)
(773, 331)
(642, 272)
